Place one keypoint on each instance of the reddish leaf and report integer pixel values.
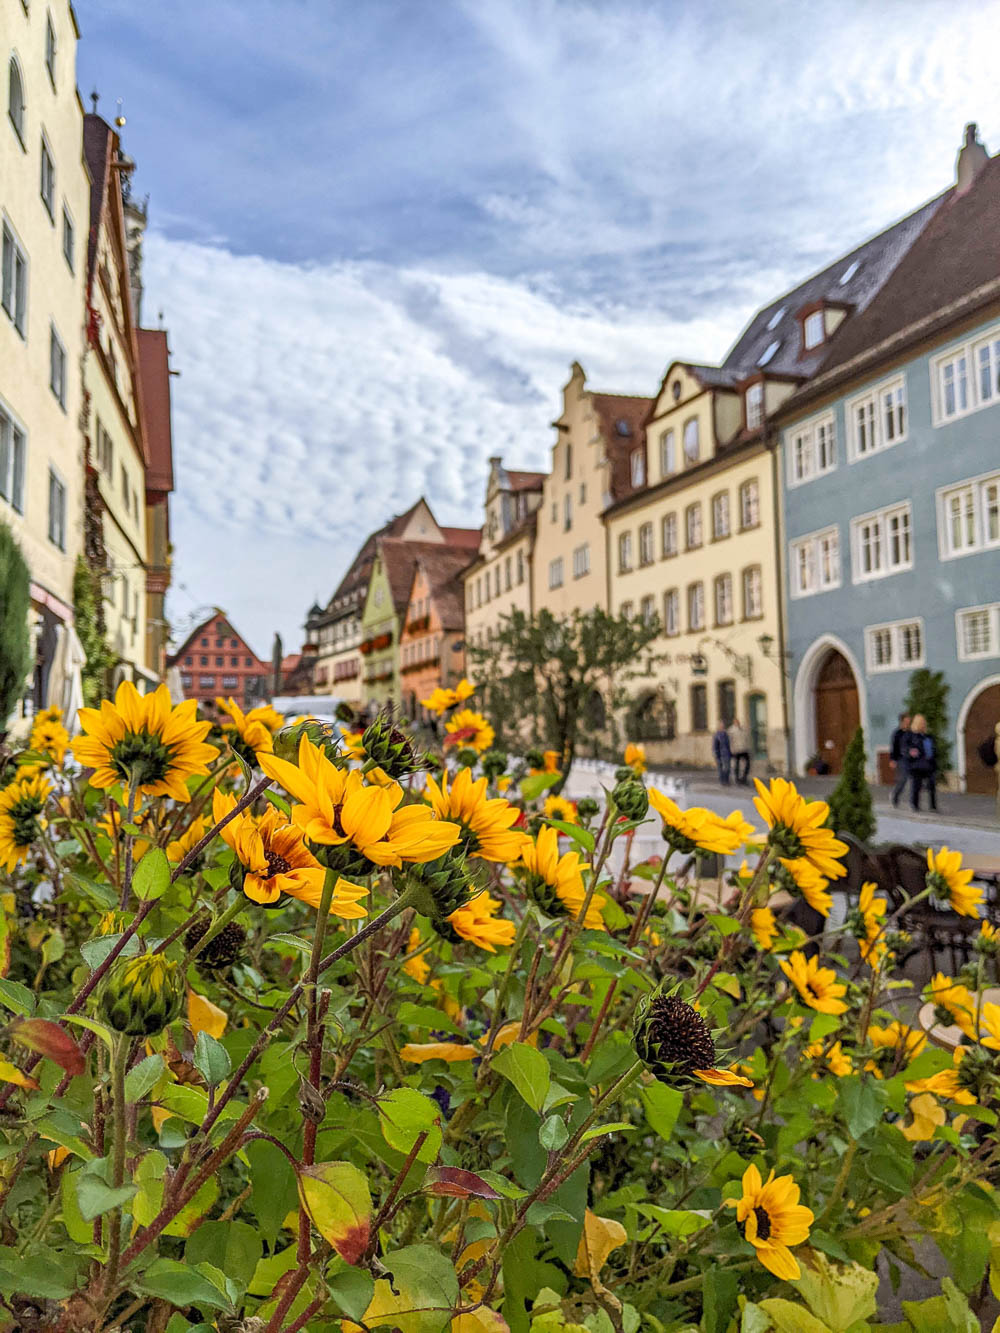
(52, 1041)
(451, 1182)
(457, 737)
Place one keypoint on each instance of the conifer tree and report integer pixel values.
(929, 695)
(15, 636)
(851, 809)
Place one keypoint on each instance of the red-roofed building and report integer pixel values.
(432, 639)
(215, 660)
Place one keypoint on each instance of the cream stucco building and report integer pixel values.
(44, 215)
(500, 579)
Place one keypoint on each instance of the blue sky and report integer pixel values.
(380, 232)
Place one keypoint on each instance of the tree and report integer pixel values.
(540, 673)
(15, 636)
(851, 809)
(929, 695)
(88, 610)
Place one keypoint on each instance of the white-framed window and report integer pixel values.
(952, 384)
(57, 510)
(672, 612)
(57, 366)
(647, 609)
(692, 444)
(47, 186)
(881, 543)
(977, 632)
(206, 682)
(876, 419)
(696, 607)
(646, 553)
(569, 462)
(987, 363)
(583, 492)
(668, 453)
(969, 516)
(624, 552)
(69, 239)
(626, 610)
(567, 512)
(720, 515)
(14, 280)
(581, 561)
(812, 449)
(230, 682)
(750, 504)
(754, 403)
(50, 49)
(814, 562)
(638, 467)
(966, 378)
(813, 330)
(723, 590)
(753, 593)
(15, 98)
(897, 646)
(668, 535)
(13, 447)
(556, 572)
(692, 525)
(105, 449)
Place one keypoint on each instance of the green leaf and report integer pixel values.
(576, 832)
(787, 1317)
(662, 1106)
(94, 1198)
(553, 1133)
(50, 1276)
(336, 1197)
(211, 1059)
(675, 1221)
(235, 1248)
(410, 1015)
(169, 1280)
(527, 1069)
(725, 925)
(271, 1270)
(352, 1291)
(533, 785)
(152, 875)
(142, 1078)
(96, 950)
(406, 1113)
(54, 947)
(102, 894)
(421, 1295)
(91, 1024)
(17, 998)
(610, 1128)
(861, 1104)
(274, 1190)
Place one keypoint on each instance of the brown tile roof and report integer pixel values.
(525, 481)
(623, 428)
(400, 560)
(465, 538)
(442, 569)
(154, 373)
(355, 581)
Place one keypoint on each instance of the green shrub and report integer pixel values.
(15, 634)
(929, 695)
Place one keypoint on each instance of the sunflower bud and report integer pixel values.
(344, 713)
(630, 797)
(442, 887)
(321, 734)
(220, 952)
(586, 808)
(142, 995)
(467, 757)
(390, 749)
(623, 773)
(494, 762)
(534, 758)
(672, 1039)
(113, 923)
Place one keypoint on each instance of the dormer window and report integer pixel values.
(638, 468)
(691, 444)
(754, 402)
(812, 330)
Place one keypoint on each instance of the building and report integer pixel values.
(215, 660)
(432, 635)
(154, 375)
(499, 580)
(382, 619)
(598, 458)
(44, 217)
(892, 495)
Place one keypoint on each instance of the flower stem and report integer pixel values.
(119, 1063)
(129, 847)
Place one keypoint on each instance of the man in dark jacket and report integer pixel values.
(897, 756)
(721, 753)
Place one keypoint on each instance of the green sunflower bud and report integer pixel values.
(623, 773)
(467, 757)
(142, 995)
(534, 758)
(390, 749)
(494, 763)
(630, 797)
(586, 808)
(672, 1039)
(442, 887)
(321, 734)
(221, 952)
(345, 713)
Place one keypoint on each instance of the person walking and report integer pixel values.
(739, 748)
(721, 753)
(921, 762)
(898, 757)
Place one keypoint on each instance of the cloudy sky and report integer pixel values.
(380, 232)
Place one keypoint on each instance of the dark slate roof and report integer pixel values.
(154, 374)
(623, 429)
(97, 153)
(355, 581)
(713, 377)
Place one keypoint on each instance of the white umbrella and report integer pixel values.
(65, 685)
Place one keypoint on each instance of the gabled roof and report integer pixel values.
(399, 558)
(463, 538)
(442, 568)
(622, 420)
(154, 373)
(360, 569)
(200, 629)
(525, 481)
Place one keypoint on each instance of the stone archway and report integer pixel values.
(838, 708)
(977, 719)
(829, 658)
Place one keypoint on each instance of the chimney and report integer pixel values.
(972, 157)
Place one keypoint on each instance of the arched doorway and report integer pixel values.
(981, 717)
(838, 710)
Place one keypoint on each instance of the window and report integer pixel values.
(204, 643)
(234, 643)
(699, 707)
(57, 366)
(204, 659)
(15, 98)
(583, 492)
(230, 682)
(556, 573)
(725, 696)
(892, 402)
(520, 566)
(234, 661)
(671, 612)
(647, 609)
(753, 599)
(12, 450)
(186, 680)
(812, 450)
(220, 660)
(57, 511)
(567, 513)
(50, 49)
(646, 556)
(555, 511)
(769, 351)
(48, 181)
(696, 607)
(723, 590)
(668, 454)
(691, 444)
(496, 579)
(969, 516)
(953, 386)
(987, 361)
(507, 577)
(877, 419)
(754, 402)
(814, 562)
(625, 610)
(69, 240)
(977, 634)
(692, 526)
(720, 515)
(581, 561)
(896, 646)
(206, 682)
(669, 535)
(569, 461)
(881, 543)
(749, 504)
(15, 281)
(624, 552)
(638, 467)
(812, 330)
(248, 661)
(105, 448)
(124, 476)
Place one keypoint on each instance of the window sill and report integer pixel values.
(749, 527)
(720, 537)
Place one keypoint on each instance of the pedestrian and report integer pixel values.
(898, 758)
(739, 748)
(721, 753)
(921, 762)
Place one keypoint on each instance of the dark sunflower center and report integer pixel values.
(675, 1038)
(25, 818)
(277, 864)
(786, 841)
(763, 1223)
(140, 757)
(338, 827)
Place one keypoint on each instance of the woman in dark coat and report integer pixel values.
(921, 762)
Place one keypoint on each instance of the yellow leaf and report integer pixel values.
(482, 1320)
(451, 1051)
(600, 1236)
(11, 1074)
(508, 1033)
(339, 1204)
(56, 1157)
(927, 1113)
(204, 1016)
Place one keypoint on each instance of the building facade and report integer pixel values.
(499, 580)
(216, 661)
(44, 218)
(154, 373)
(432, 637)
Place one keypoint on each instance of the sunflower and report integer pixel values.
(249, 733)
(550, 763)
(818, 986)
(49, 737)
(192, 835)
(955, 1084)
(698, 829)
(835, 1059)
(557, 807)
(763, 927)
(51, 714)
(772, 1219)
(896, 1037)
(485, 822)
(469, 729)
(797, 827)
(276, 860)
(673, 1041)
(415, 965)
(954, 1003)
(21, 822)
(927, 1114)
(452, 1052)
(478, 922)
(144, 741)
(352, 744)
(945, 876)
(988, 940)
(555, 882)
(439, 701)
(800, 876)
(635, 757)
(868, 923)
(359, 825)
(990, 1019)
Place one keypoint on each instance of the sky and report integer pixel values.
(380, 233)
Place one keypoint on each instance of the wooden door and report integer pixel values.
(979, 723)
(838, 712)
